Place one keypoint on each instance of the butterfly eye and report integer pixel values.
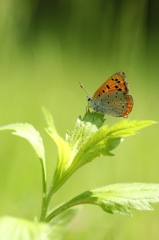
(89, 99)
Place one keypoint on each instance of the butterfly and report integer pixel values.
(112, 97)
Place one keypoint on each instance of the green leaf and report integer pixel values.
(50, 122)
(28, 132)
(64, 149)
(102, 141)
(88, 140)
(64, 157)
(21, 229)
(68, 148)
(117, 198)
(128, 128)
(80, 135)
(121, 198)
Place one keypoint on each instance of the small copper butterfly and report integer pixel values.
(112, 97)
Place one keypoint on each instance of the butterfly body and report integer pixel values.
(112, 97)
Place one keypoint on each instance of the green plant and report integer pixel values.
(89, 139)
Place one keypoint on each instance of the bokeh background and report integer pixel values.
(46, 48)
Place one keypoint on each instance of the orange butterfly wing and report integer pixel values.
(115, 84)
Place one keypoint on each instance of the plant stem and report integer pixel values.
(44, 184)
(62, 208)
(53, 189)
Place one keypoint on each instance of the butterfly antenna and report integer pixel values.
(81, 85)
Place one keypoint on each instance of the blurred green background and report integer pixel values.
(46, 48)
